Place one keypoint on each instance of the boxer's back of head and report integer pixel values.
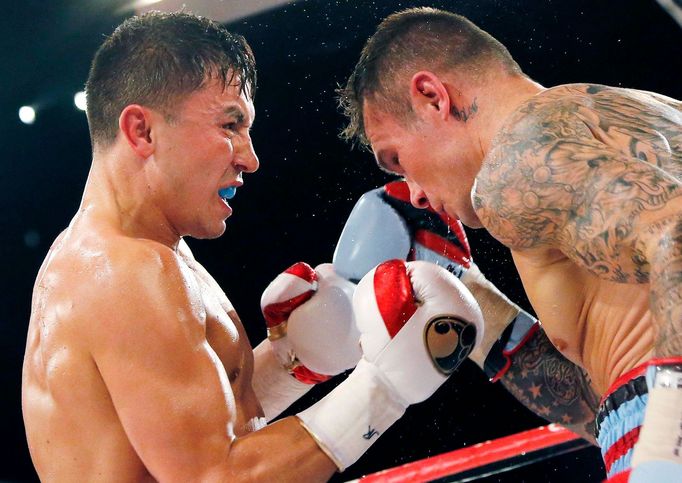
(412, 40)
(155, 60)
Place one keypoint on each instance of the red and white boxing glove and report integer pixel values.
(417, 323)
(312, 334)
(384, 225)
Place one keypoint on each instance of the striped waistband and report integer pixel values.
(619, 396)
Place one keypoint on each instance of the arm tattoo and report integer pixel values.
(595, 172)
(666, 290)
(552, 386)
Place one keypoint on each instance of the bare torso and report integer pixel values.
(603, 326)
(73, 430)
(599, 320)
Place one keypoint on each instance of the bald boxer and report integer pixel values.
(137, 367)
(580, 181)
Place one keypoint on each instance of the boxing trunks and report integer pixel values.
(619, 419)
(654, 387)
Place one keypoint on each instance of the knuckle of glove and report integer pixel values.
(417, 323)
(286, 292)
(321, 331)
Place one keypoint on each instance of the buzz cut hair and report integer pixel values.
(407, 41)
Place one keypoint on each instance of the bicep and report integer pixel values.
(169, 389)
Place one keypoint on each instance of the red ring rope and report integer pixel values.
(475, 456)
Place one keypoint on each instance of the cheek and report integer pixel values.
(209, 155)
(218, 152)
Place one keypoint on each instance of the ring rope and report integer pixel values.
(484, 459)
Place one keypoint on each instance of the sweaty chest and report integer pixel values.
(590, 320)
(226, 337)
(556, 289)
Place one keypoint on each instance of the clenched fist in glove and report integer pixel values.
(384, 225)
(417, 323)
(312, 334)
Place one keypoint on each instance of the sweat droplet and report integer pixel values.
(228, 192)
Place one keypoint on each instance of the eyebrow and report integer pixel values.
(237, 113)
(379, 158)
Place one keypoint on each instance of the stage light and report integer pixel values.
(27, 114)
(79, 100)
(137, 4)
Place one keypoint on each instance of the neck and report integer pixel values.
(502, 97)
(117, 193)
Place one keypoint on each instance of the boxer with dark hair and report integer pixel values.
(137, 367)
(580, 181)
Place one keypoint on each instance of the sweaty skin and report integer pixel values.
(69, 411)
(137, 367)
(578, 183)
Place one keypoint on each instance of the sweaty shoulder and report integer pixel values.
(518, 185)
(152, 269)
(564, 146)
(140, 283)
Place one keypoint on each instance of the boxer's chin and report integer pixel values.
(210, 233)
(466, 215)
(219, 232)
(470, 219)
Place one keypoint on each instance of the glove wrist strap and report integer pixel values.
(514, 336)
(275, 387)
(351, 418)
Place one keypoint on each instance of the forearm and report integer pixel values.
(551, 386)
(539, 376)
(498, 311)
(282, 451)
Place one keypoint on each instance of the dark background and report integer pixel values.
(294, 207)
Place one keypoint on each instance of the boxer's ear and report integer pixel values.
(429, 95)
(135, 123)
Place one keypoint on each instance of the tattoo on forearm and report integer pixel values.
(552, 386)
(666, 291)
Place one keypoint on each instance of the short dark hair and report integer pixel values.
(155, 59)
(416, 38)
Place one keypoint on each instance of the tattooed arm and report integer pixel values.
(540, 377)
(552, 386)
(577, 174)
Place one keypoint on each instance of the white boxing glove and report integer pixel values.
(419, 311)
(312, 334)
(417, 323)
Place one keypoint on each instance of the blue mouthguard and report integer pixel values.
(228, 192)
